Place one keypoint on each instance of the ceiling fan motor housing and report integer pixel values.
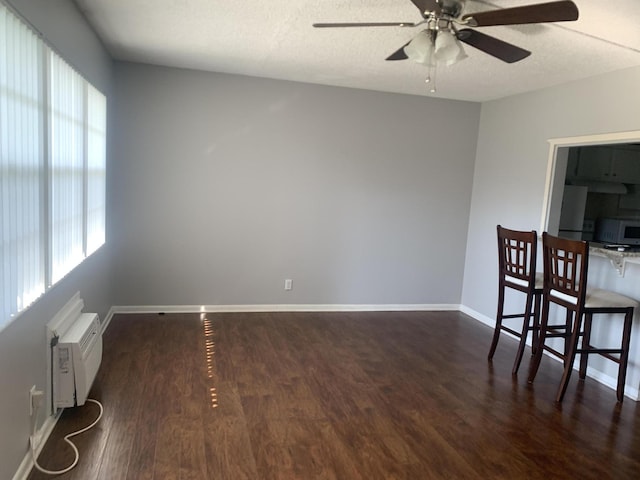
(452, 8)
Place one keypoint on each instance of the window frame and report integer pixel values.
(90, 137)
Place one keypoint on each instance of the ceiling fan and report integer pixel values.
(439, 41)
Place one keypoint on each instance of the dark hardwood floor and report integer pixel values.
(338, 396)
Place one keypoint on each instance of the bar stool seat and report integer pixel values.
(538, 281)
(517, 271)
(565, 285)
(599, 298)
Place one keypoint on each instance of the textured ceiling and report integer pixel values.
(275, 39)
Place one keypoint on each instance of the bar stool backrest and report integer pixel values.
(565, 270)
(517, 258)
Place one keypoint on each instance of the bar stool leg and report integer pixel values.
(496, 332)
(537, 299)
(586, 345)
(526, 322)
(567, 334)
(624, 355)
(537, 357)
(570, 356)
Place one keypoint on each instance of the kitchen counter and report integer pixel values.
(618, 258)
(623, 278)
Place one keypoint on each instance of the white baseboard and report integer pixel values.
(612, 383)
(274, 308)
(280, 308)
(478, 316)
(106, 320)
(606, 380)
(42, 436)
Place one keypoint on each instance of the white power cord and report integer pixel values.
(66, 439)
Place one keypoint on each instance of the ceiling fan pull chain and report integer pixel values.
(431, 77)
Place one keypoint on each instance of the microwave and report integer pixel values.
(618, 230)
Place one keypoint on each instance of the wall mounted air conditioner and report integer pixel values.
(76, 353)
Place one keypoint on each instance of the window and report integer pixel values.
(52, 167)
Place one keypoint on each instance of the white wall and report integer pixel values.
(227, 185)
(22, 343)
(511, 165)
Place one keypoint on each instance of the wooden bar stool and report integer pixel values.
(565, 284)
(517, 270)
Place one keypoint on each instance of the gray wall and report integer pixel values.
(22, 343)
(227, 185)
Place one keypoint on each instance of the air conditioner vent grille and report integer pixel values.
(89, 336)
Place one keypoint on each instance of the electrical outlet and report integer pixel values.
(36, 398)
(288, 284)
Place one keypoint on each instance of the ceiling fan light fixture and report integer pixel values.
(420, 49)
(461, 55)
(447, 48)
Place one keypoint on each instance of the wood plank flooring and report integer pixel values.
(349, 396)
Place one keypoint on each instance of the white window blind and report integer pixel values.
(21, 174)
(66, 166)
(52, 167)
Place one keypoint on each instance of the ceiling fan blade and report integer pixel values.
(399, 54)
(491, 45)
(374, 24)
(562, 11)
(426, 6)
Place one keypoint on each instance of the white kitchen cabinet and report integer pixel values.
(594, 163)
(625, 165)
(609, 164)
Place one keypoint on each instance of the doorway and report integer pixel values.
(607, 166)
